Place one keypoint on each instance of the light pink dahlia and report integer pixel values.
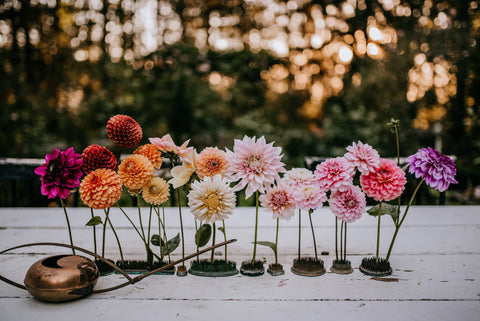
(280, 201)
(335, 174)
(167, 145)
(386, 183)
(299, 177)
(309, 197)
(362, 156)
(255, 163)
(348, 205)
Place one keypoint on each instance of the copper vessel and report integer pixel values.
(61, 278)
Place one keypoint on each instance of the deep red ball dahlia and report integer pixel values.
(124, 131)
(95, 157)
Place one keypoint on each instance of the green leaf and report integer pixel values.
(203, 235)
(171, 245)
(156, 240)
(96, 220)
(392, 210)
(221, 229)
(269, 244)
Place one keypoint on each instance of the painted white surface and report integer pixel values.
(436, 262)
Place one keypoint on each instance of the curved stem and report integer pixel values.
(68, 224)
(378, 231)
(181, 224)
(276, 242)
(256, 228)
(299, 231)
(94, 233)
(397, 227)
(133, 224)
(107, 218)
(313, 233)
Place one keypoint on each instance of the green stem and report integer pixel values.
(313, 233)
(181, 224)
(336, 238)
(107, 218)
(341, 240)
(397, 227)
(345, 243)
(94, 233)
(196, 230)
(398, 163)
(140, 220)
(378, 231)
(299, 231)
(157, 211)
(256, 229)
(276, 242)
(212, 257)
(225, 239)
(133, 224)
(165, 234)
(68, 225)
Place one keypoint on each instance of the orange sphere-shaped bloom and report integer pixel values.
(124, 131)
(135, 171)
(156, 192)
(152, 153)
(101, 188)
(210, 162)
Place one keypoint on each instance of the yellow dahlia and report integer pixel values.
(156, 192)
(135, 171)
(210, 162)
(101, 188)
(152, 153)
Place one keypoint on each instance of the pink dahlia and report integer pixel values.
(309, 197)
(386, 183)
(335, 174)
(437, 169)
(167, 145)
(349, 204)
(255, 163)
(299, 177)
(280, 201)
(60, 173)
(363, 157)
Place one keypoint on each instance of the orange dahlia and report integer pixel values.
(152, 153)
(124, 131)
(211, 161)
(95, 156)
(101, 188)
(135, 171)
(156, 192)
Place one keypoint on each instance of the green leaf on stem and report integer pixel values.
(389, 209)
(221, 230)
(171, 244)
(96, 220)
(269, 244)
(156, 240)
(203, 235)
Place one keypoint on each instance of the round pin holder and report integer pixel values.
(308, 266)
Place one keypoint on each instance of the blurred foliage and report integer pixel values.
(51, 99)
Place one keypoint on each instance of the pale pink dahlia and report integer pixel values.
(362, 156)
(280, 201)
(309, 197)
(348, 205)
(335, 174)
(166, 145)
(255, 163)
(299, 177)
(386, 183)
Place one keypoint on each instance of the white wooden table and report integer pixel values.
(436, 270)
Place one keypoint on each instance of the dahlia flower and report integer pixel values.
(152, 153)
(309, 197)
(386, 183)
(279, 200)
(211, 161)
(60, 173)
(166, 145)
(335, 174)
(211, 199)
(101, 188)
(255, 163)
(124, 131)
(437, 169)
(135, 171)
(156, 192)
(299, 177)
(181, 174)
(95, 156)
(362, 156)
(349, 204)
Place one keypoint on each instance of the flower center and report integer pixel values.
(212, 201)
(213, 165)
(279, 199)
(154, 190)
(253, 162)
(351, 203)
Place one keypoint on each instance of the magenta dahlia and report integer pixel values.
(61, 173)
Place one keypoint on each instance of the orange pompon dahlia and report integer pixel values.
(156, 192)
(95, 157)
(135, 171)
(124, 131)
(210, 162)
(101, 188)
(152, 153)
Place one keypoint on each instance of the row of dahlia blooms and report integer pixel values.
(213, 176)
